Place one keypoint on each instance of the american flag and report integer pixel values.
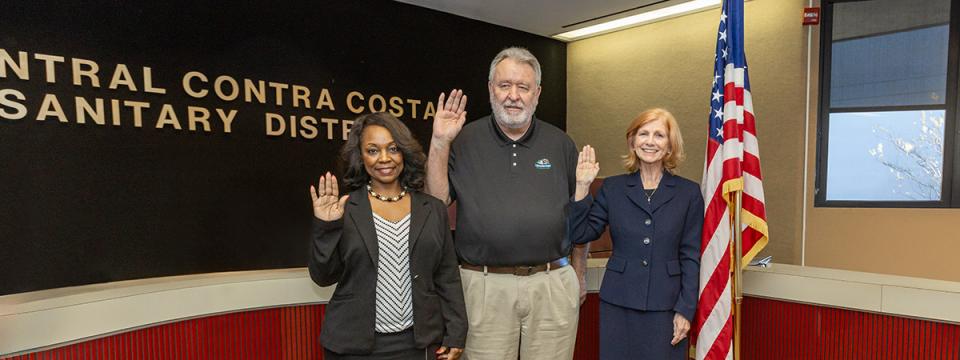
(732, 164)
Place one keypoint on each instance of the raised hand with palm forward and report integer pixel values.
(450, 117)
(326, 205)
(587, 169)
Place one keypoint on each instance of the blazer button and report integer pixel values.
(415, 276)
(644, 263)
(646, 241)
(647, 222)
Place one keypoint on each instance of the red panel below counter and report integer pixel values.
(278, 333)
(783, 330)
(771, 330)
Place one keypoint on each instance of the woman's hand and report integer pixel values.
(452, 354)
(680, 328)
(326, 207)
(587, 169)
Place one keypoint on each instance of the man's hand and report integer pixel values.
(583, 289)
(450, 117)
(447, 123)
(578, 259)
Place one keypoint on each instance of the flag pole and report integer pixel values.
(737, 272)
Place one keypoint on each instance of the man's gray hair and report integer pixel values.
(518, 54)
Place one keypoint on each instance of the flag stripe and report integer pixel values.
(732, 164)
(752, 205)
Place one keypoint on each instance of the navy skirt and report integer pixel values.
(634, 334)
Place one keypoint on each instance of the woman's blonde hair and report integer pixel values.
(675, 154)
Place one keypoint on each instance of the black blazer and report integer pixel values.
(344, 252)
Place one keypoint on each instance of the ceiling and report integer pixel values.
(543, 17)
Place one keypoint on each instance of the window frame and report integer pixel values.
(950, 187)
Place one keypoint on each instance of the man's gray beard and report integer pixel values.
(514, 122)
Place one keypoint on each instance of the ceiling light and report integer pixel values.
(638, 19)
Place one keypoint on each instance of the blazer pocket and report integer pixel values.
(616, 264)
(341, 296)
(432, 301)
(432, 309)
(673, 267)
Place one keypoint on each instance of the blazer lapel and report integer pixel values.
(362, 216)
(635, 192)
(665, 191)
(419, 211)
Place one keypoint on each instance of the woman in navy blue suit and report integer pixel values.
(649, 290)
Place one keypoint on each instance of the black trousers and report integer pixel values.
(388, 346)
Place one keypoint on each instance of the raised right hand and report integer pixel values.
(587, 166)
(450, 117)
(326, 206)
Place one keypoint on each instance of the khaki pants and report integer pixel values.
(533, 316)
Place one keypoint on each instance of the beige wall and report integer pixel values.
(613, 77)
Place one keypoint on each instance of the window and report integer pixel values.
(888, 93)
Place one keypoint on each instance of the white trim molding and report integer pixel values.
(934, 300)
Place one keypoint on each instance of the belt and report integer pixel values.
(521, 270)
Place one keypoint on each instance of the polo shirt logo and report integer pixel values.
(542, 164)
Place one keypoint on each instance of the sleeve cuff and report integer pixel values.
(454, 344)
(586, 201)
(686, 313)
(327, 225)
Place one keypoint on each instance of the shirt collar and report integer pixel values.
(505, 140)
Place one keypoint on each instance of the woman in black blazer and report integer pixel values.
(388, 248)
(649, 291)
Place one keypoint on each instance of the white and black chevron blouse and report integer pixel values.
(394, 298)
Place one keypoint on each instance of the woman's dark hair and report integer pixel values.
(414, 160)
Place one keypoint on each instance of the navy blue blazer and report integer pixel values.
(655, 265)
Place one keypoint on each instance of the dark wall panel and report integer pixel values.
(87, 203)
